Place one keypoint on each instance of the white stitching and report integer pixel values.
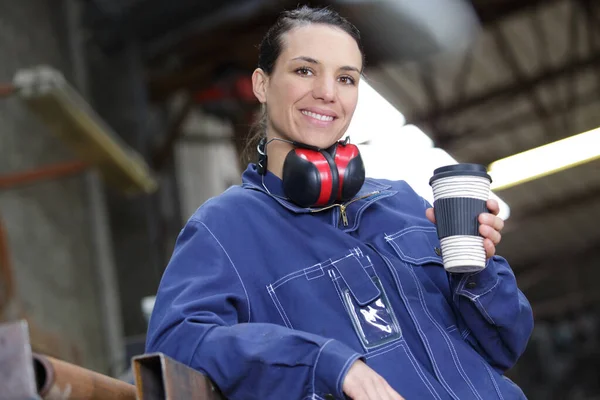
(466, 334)
(288, 277)
(448, 341)
(365, 205)
(419, 371)
(391, 239)
(352, 359)
(350, 288)
(477, 296)
(232, 264)
(376, 350)
(373, 355)
(420, 330)
(312, 269)
(316, 362)
(494, 381)
(482, 308)
(461, 284)
(334, 278)
(276, 298)
(271, 294)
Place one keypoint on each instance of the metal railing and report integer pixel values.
(158, 377)
(25, 375)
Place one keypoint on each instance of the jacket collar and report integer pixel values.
(251, 179)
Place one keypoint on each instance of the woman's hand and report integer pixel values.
(490, 226)
(363, 383)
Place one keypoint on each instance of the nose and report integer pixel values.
(324, 89)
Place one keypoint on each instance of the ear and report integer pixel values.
(259, 84)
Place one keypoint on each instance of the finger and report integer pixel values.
(385, 391)
(378, 388)
(493, 206)
(489, 219)
(489, 247)
(393, 395)
(360, 393)
(490, 233)
(430, 215)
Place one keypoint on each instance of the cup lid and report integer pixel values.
(464, 169)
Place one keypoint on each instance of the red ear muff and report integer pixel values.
(351, 170)
(310, 178)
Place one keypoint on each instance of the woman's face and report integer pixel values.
(312, 92)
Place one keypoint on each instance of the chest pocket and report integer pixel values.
(418, 248)
(417, 245)
(340, 298)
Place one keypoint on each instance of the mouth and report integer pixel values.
(318, 116)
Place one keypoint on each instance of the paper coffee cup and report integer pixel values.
(460, 193)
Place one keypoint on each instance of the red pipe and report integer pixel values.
(7, 89)
(9, 181)
(61, 380)
(6, 273)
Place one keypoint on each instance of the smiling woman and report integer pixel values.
(310, 280)
(310, 92)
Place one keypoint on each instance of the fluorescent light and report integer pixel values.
(545, 160)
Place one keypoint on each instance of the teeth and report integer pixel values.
(318, 116)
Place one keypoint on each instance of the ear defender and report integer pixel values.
(351, 170)
(310, 178)
(319, 178)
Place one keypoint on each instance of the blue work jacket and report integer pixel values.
(274, 301)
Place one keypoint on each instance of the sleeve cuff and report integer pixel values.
(477, 284)
(331, 367)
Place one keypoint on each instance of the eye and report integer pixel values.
(347, 80)
(305, 71)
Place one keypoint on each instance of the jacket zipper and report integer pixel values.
(343, 207)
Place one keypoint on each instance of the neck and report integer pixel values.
(277, 151)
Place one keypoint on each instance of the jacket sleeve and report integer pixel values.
(498, 317)
(202, 318)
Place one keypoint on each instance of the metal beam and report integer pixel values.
(17, 377)
(509, 57)
(25, 375)
(516, 121)
(460, 83)
(494, 11)
(564, 205)
(159, 377)
(550, 74)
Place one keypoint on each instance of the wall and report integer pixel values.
(47, 224)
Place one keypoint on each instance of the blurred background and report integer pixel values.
(118, 118)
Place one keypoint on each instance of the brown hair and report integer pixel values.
(271, 47)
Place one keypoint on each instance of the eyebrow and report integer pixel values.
(313, 61)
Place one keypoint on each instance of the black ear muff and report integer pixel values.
(310, 178)
(351, 170)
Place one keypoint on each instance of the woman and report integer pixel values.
(290, 287)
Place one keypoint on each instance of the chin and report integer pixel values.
(320, 141)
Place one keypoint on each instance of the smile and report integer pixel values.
(326, 118)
